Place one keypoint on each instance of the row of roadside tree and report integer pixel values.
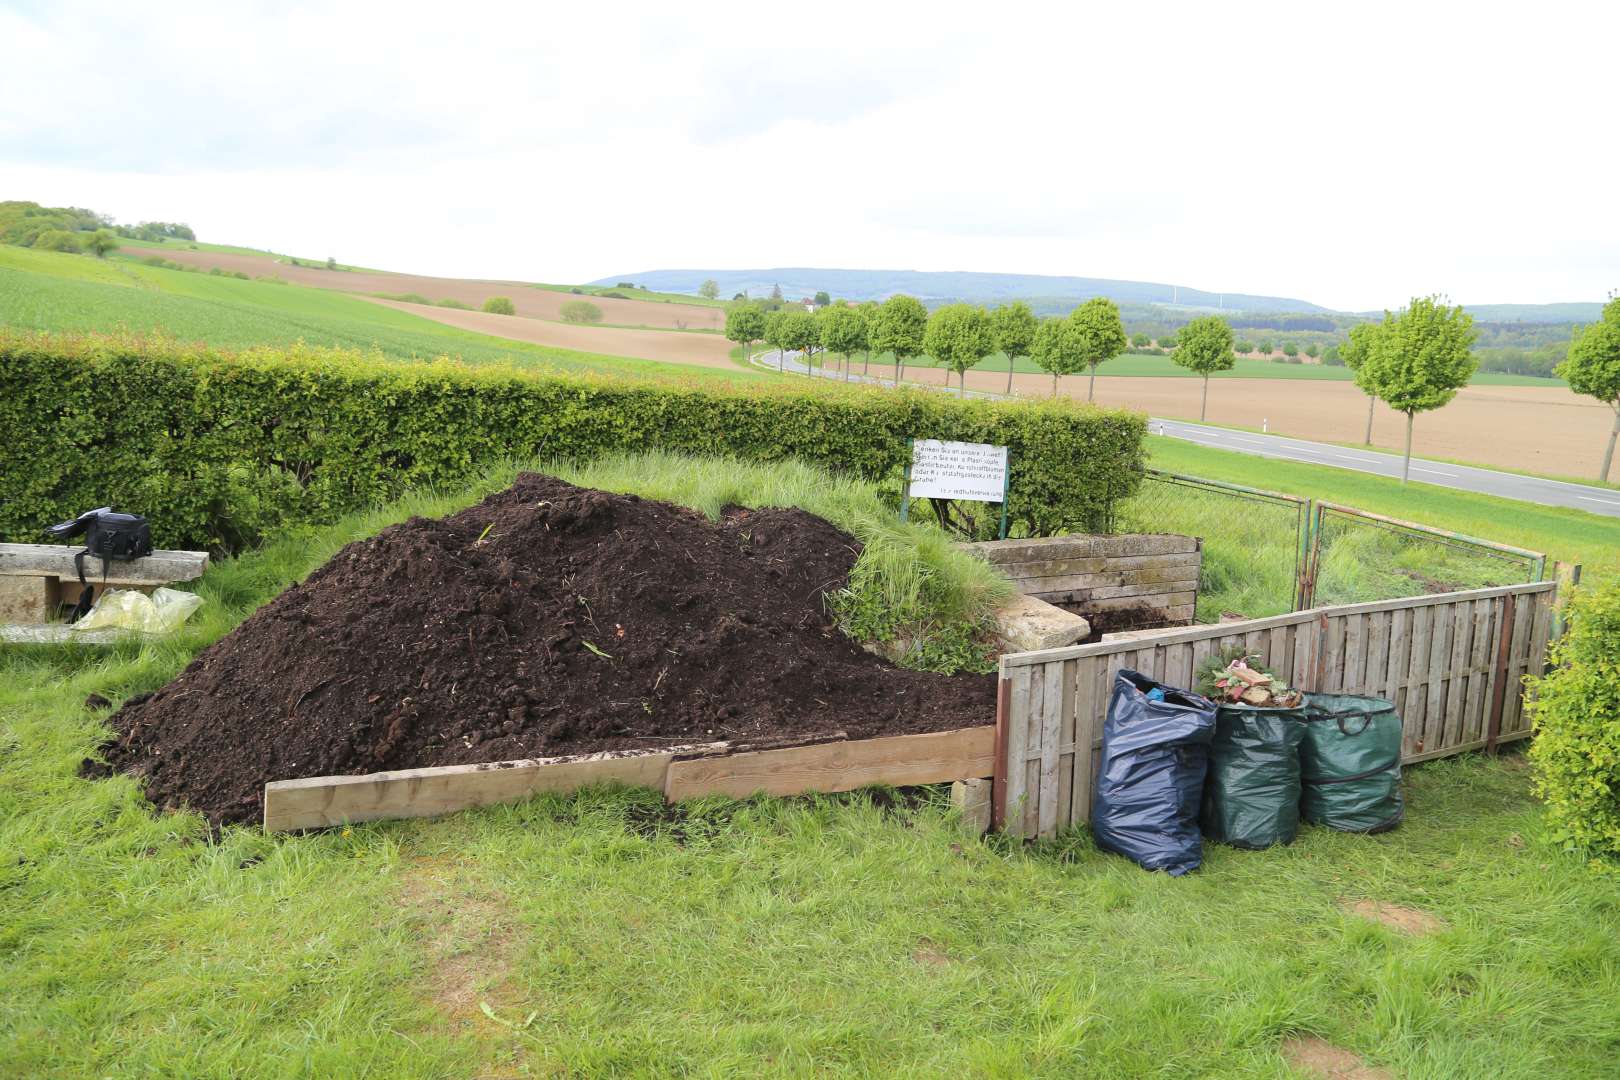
(1414, 360)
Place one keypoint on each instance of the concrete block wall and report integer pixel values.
(1121, 582)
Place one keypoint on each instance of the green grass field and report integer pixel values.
(140, 249)
(599, 935)
(57, 292)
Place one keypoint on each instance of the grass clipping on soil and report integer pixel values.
(546, 620)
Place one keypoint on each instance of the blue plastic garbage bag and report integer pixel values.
(1154, 755)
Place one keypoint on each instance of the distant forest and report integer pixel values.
(28, 224)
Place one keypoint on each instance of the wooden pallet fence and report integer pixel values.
(939, 757)
(1453, 663)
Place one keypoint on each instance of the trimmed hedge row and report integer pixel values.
(219, 449)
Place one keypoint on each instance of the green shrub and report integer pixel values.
(219, 449)
(581, 311)
(1576, 710)
(450, 303)
(500, 305)
(58, 240)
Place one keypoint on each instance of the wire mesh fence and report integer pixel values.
(1353, 556)
(1253, 553)
(1266, 553)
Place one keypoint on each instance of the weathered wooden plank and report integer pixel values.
(1278, 651)
(1376, 654)
(1415, 717)
(972, 798)
(1399, 654)
(162, 567)
(1051, 720)
(1118, 545)
(1434, 725)
(319, 801)
(1097, 565)
(1191, 633)
(1019, 714)
(933, 758)
(1333, 666)
(1306, 639)
(1091, 690)
(1355, 651)
(1462, 641)
(1078, 589)
(1524, 619)
(1177, 665)
(1477, 703)
(24, 600)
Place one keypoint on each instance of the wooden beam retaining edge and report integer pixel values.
(322, 801)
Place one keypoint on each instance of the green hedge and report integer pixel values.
(219, 449)
(1576, 708)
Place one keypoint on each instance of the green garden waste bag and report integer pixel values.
(1251, 793)
(1350, 763)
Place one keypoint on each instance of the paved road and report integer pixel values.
(1462, 477)
(1596, 500)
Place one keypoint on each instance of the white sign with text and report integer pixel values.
(958, 470)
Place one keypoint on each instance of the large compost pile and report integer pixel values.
(547, 620)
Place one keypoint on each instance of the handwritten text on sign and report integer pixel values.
(958, 470)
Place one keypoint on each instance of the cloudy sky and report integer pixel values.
(1349, 154)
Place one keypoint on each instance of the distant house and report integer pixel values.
(809, 305)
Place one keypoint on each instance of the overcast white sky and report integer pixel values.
(1352, 154)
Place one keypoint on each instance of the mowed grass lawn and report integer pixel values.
(599, 935)
(58, 292)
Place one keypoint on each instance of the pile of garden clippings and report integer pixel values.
(547, 620)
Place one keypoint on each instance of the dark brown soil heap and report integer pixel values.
(546, 620)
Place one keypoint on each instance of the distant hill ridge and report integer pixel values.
(940, 286)
(1047, 292)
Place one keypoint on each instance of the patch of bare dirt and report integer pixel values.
(1395, 916)
(930, 955)
(1320, 1058)
(468, 936)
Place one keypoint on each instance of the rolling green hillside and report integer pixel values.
(59, 292)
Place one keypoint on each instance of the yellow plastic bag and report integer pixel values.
(127, 609)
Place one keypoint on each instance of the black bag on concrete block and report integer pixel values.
(1154, 753)
(1251, 795)
(1350, 763)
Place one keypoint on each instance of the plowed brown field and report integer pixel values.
(530, 301)
(1548, 430)
(706, 350)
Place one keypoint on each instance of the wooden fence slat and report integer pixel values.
(1012, 803)
(1462, 632)
(1434, 721)
(1333, 668)
(1479, 670)
(1355, 652)
(1046, 818)
(934, 758)
(1067, 720)
(1279, 652)
(1090, 701)
(1415, 719)
(1178, 666)
(1371, 676)
(1524, 619)
(1400, 652)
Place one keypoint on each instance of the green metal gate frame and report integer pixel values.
(1311, 563)
(1311, 515)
